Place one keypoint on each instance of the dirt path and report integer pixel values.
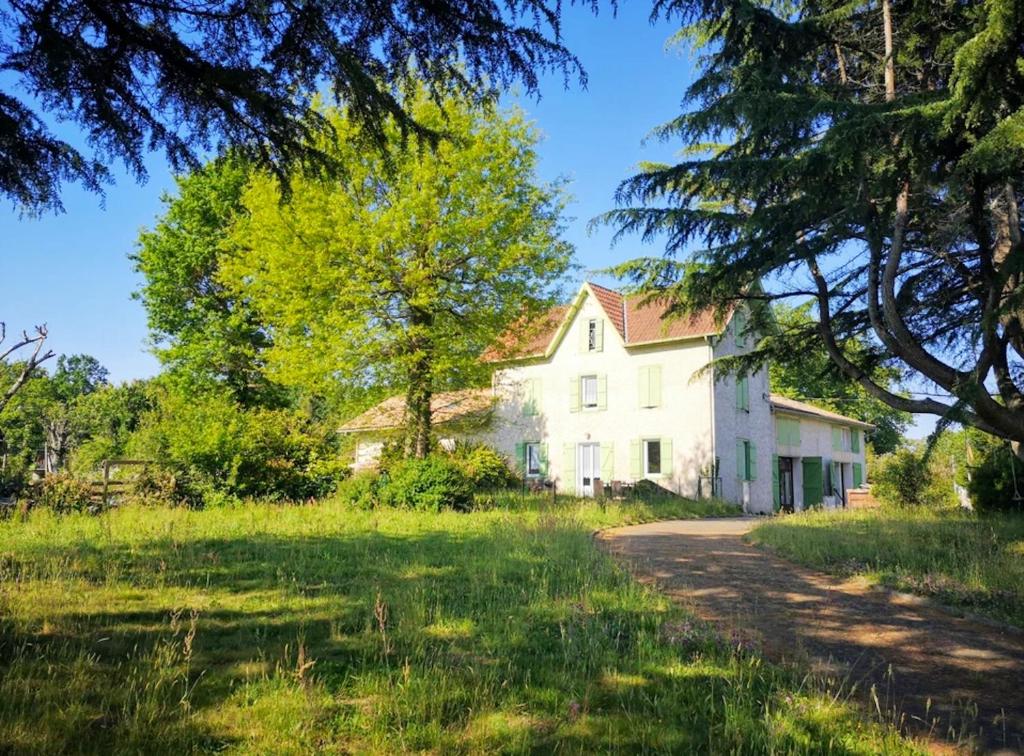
(973, 673)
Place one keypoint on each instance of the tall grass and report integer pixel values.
(274, 629)
(968, 561)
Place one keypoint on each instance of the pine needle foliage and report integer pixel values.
(867, 157)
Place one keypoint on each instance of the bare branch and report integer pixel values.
(37, 358)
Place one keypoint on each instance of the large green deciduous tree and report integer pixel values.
(868, 156)
(185, 76)
(204, 334)
(402, 271)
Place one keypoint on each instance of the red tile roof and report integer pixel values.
(523, 340)
(636, 319)
(445, 407)
(785, 404)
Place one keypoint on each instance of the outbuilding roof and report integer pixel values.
(637, 319)
(792, 406)
(445, 407)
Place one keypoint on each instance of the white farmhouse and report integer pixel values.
(608, 391)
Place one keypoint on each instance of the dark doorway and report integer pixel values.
(786, 500)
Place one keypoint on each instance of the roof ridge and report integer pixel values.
(604, 288)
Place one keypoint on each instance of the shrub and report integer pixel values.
(906, 479)
(991, 484)
(433, 483)
(13, 478)
(220, 450)
(63, 493)
(485, 467)
(360, 490)
(153, 485)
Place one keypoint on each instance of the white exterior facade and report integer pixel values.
(822, 454)
(694, 420)
(613, 402)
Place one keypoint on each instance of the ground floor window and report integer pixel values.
(652, 456)
(533, 459)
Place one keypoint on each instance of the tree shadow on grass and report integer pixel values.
(931, 671)
(415, 640)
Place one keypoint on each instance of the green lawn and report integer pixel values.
(275, 629)
(976, 563)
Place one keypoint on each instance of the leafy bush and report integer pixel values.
(154, 485)
(433, 483)
(13, 478)
(906, 479)
(360, 490)
(485, 467)
(991, 483)
(63, 493)
(220, 450)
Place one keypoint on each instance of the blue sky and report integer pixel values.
(73, 272)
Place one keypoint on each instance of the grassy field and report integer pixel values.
(976, 563)
(275, 629)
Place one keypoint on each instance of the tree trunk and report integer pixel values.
(419, 394)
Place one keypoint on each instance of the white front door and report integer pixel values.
(588, 465)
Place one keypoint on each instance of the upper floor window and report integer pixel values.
(743, 393)
(588, 390)
(739, 321)
(592, 335)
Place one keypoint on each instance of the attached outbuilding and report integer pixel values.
(819, 456)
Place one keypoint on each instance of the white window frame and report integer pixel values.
(532, 454)
(586, 380)
(647, 463)
(847, 444)
(592, 335)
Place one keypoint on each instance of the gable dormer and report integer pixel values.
(634, 319)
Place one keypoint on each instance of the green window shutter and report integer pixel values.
(607, 462)
(574, 394)
(655, 383)
(741, 459)
(602, 392)
(569, 468)
(666, 456)
(599, 340)
(782, 431)
(584, 329)
(837, 439)
(854, 440)
(742, 393)
(751, 461)
(776, 500)
(858, 475)
(643, 382)
(739, 321)
(521, 457)
(635, 461)
(813, 481)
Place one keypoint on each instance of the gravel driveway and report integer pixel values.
(911, 651)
